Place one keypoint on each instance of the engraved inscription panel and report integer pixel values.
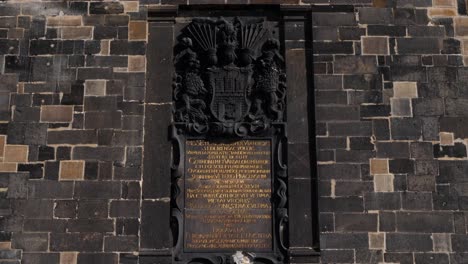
(228, 190)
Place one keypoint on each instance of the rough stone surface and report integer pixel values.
(391, 121)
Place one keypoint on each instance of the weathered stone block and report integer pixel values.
(356, 222)
(400, 242)
(384, 183)
(16, 153)
(375, 45)
(76, 242)
(71, 170)
(377, 240)
(61, 21)
(137, 30)
(120, 243)
(98, 190)
(56, 113)
(375, 15)
(401, 107)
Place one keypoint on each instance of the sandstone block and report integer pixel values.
(401, 107)
(56, 113)
(446, 139)
(68, 257)
(461, 26)
(71, 170)
(64, 21)
(95, 87)
(16, 153)
(136, 63)
(137, 30)
(8, 167)
(376, 240)
(405, 90)
(383, 183)
(375, 45)
(379, 166)
(77, 33)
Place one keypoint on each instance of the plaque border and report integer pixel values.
(278, 138)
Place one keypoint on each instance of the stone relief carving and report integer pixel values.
(229, 77)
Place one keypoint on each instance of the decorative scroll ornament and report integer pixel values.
(229, 78)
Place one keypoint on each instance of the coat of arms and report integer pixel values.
(228, 73)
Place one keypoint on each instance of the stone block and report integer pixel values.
(130, 6)
(442, 242)
(401, 107)
(377, 241)
(125, 209)
(95, 87)
(98, 258)
(39, 258)
(125, 47)
(71, 170)
(137, 30)
(378, 166)
(50, 189)
(68, 257)
(375, 45)
(78, 33)
(356, 222)
(406, 128)
(382, 201)
(121, 243)
(63, 21)
(136, 63)
(369, 15)
(424, 222)
(72, 137)
(8, 167)
(16, 153)
(383, 183)
(446, 139)
(65, 209)
(90, 225)
(419, 45)
(56, 113)
(333, 19)
(452, 3)
(461, 26)
(340, 240)
(106, 119)
(98, 190)
(405, 90)
(401, 242)
(92, 209)
(428, 107)
(355, 64)
(27, 133)
(30, 241)
(83, 242)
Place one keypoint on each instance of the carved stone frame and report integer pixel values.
(156, 241)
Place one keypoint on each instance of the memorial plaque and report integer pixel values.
(228, 196)
(229, 171)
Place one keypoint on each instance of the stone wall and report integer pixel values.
(391, 117)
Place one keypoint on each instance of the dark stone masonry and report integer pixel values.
(86, 99)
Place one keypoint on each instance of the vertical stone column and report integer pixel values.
(156, 240)
(301, 139)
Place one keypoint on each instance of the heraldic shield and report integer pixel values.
(230, 88)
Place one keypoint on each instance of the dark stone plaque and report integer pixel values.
(228, 196)
(229, 173)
